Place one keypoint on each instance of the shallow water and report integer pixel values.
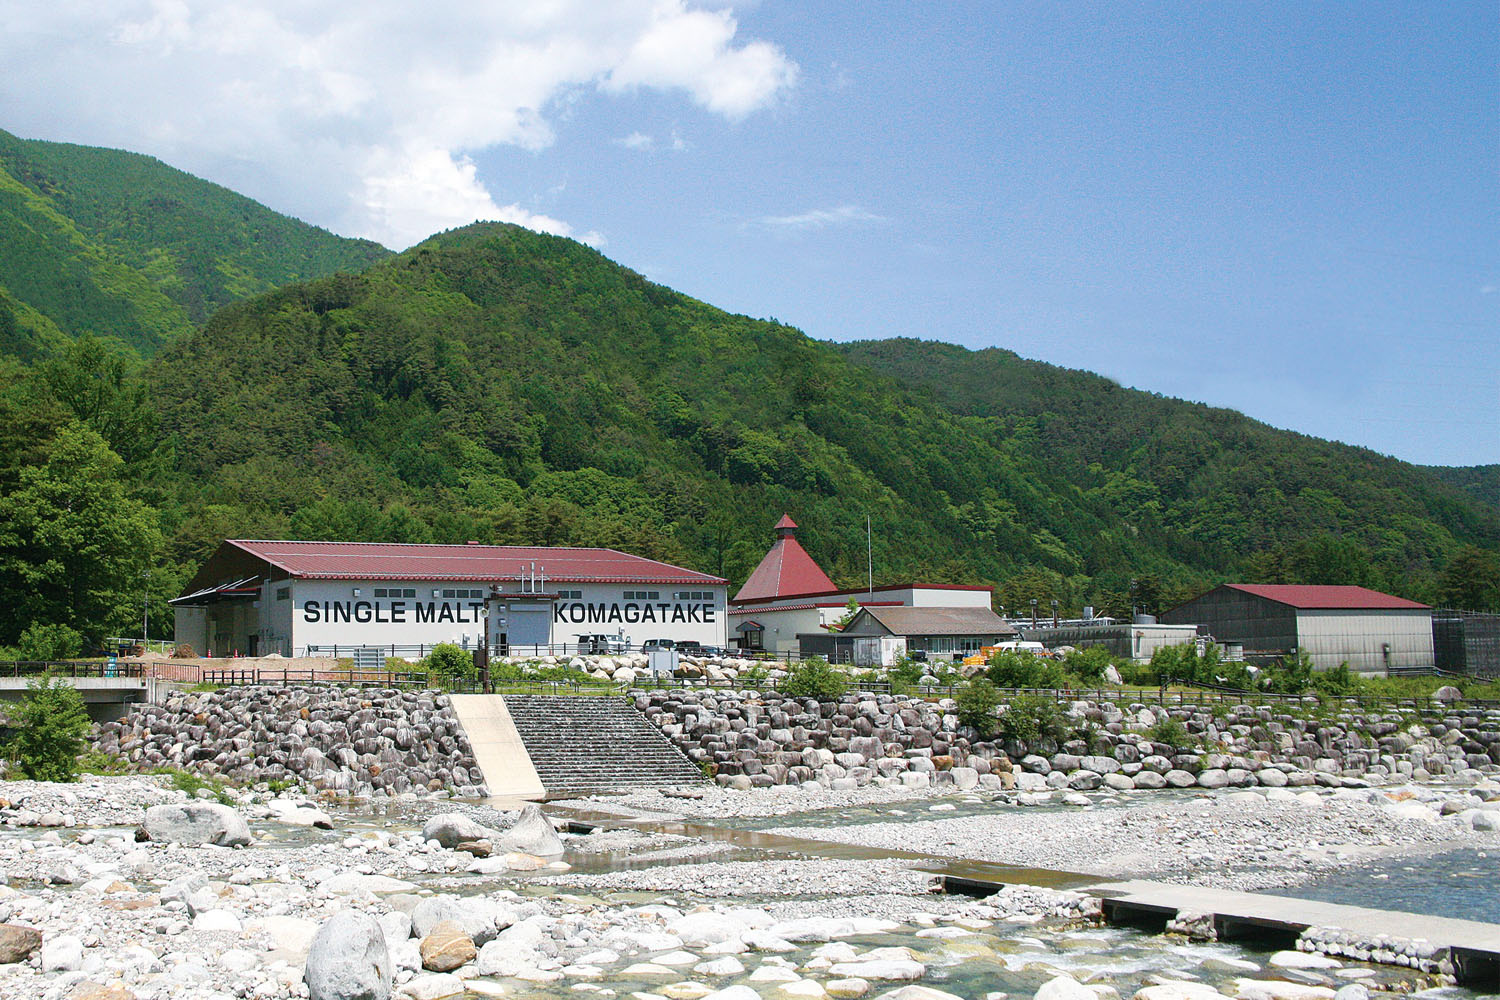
(1462, 884)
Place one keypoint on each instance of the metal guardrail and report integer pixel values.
(70, 668)
(243, 676)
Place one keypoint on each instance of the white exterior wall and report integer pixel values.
(602, 610)
(926, 597)
(191, 628)
(1332, 637)
(1145, 640)
(275, 618)
(785, 617)
(326, 613)
(782, 626)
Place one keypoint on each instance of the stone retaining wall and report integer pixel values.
(357, 741)
(751, 739)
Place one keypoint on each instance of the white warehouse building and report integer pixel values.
(255, 598)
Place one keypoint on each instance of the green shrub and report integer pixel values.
(1169, 731)
(1338, 682)
(49, 642)
(753, 675)
(815, 678)
(1031, 717)
(1088, 664)
(99, 762)
(906, 671)
(50, 725)
(187, 781)
(1289, 675)
(977, 702)
(1009, 669)
(447, 663)
(1089, 733)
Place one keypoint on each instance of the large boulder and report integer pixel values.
(17, 942)
(196, 823)
(1447, 694)
(447, 948)
(452, 829)
(1064, 988)
(348, 960)
(476, 916)
(532, 833)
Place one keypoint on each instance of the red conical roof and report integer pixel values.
(786, 571)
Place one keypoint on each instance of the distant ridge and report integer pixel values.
(124, 247)
(498, 384)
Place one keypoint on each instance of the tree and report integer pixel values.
(50, 724)
(73, 542)
(1471, 581)
(100, 387)
(1327, 559)
(850, 611)
(41, 641)
(977, 701)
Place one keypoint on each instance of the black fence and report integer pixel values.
(70, 668)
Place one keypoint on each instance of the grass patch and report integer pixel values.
(99, 762)
(186, 781)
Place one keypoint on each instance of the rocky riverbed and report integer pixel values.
(421, 897)
(1232, 840)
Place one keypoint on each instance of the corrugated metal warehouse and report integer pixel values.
(1372, 632)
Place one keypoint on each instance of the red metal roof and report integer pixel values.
(856, 591)
(786, 571)
(381, 561)
(1312, 597)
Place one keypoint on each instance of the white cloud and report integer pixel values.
(362, 119)
(646, 143)
(822, 218)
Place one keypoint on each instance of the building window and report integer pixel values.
(463, 594)
(283, 593)
(642, 595)
(395, 592)
(693, 595)
(570, 595)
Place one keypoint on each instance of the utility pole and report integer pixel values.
(145, 610)
(869, 558)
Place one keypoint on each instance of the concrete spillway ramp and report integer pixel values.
(584, 745)
(498, 747)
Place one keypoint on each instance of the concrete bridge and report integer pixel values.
(106, 689)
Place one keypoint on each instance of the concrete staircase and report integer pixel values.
(586, 745)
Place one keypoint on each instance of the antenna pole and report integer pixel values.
(869, 558)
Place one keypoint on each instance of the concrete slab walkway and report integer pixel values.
(1298, 914)
(498, 749)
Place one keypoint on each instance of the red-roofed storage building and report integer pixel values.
(1371, 631)
(256, 597)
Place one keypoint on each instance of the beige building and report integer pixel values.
(788, 595)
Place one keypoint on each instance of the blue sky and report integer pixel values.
(1288, 209)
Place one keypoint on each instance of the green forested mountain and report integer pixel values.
(123, 247)
(500, 385)
(1220, 489)
(1481, 481)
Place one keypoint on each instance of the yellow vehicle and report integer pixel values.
(982, 657)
